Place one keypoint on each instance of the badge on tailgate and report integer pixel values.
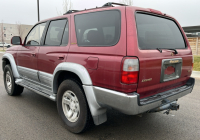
(170, 69)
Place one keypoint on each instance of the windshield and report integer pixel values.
(157, 32)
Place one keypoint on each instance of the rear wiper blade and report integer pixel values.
(160, 50)
(175, 51)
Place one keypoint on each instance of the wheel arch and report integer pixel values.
(9, 59)
(98, 113)
(71, 68)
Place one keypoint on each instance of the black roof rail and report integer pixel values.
(111, 4)
(105, 5)
(71, 11)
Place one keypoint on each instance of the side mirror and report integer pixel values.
(16, 40)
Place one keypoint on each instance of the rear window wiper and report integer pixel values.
(160, 50)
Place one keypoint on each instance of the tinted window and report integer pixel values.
(65, 36)
(98, 29)
(34, 37)
(156, 32)
(55, 32)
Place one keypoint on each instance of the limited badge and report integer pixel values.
(146, 80)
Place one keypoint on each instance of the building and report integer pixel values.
(192, 31)
(193, 34)
(10, 30)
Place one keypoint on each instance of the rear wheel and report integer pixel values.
(72, 106)
(9, 82)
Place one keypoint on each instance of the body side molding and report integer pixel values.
(12, 63)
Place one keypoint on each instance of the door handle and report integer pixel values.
(33, 54)
(62, 57)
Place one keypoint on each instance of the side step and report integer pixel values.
(28, 84)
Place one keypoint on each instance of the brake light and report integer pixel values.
(130, 70)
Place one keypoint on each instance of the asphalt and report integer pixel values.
(33, 117)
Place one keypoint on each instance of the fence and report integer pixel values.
(195, 45)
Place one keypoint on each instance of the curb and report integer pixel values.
(195, 74)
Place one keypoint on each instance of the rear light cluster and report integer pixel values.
(130, 70)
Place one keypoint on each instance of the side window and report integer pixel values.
(104, 30)
(34, 37)
(55, 32)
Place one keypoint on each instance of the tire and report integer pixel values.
(9, 82)
(71, 100)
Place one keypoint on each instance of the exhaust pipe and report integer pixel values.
(169, 106)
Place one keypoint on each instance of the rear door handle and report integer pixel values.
(62, 57)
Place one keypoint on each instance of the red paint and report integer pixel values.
(104, 63)
(169, 70)
(92, 63)
(156, 11)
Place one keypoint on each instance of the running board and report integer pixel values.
(26, 84)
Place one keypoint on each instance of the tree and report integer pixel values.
(2, 31)
(67, 5)
(20, 29)
(127, 2)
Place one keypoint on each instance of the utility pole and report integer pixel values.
(38, 9)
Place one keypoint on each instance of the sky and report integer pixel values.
(187, 12)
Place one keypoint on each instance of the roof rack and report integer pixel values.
(71, 11)
(105, 5)
(111, 4)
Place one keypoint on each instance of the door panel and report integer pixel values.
(27, 62)
(54, 51)
(28, 54)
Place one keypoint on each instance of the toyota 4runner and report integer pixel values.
(131, 59)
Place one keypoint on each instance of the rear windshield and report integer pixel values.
(156, 32)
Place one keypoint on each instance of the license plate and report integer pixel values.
(171, 69)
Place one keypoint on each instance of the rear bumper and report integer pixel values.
(132, 105)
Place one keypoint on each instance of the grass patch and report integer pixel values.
(2, 50)
(196, 66)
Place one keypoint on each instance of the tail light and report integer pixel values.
(130, 70)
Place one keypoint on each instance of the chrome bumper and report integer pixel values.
(132, 105)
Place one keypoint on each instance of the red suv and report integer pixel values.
(132, 59)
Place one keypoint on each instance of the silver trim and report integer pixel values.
(177, 72)
(78, 69)
(98, 112)
(36, 88)
(12, 63)
(28, 73)
(128, 104)
(45, 78)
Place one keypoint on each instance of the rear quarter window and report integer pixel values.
(157, 32)
(98, 28)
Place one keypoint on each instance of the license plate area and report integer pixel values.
(171, 69)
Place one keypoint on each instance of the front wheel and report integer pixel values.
(9, 82)
(72, 106)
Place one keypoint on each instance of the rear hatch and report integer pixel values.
(159, 38)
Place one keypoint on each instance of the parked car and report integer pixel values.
(131, 59)
(5, 44)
